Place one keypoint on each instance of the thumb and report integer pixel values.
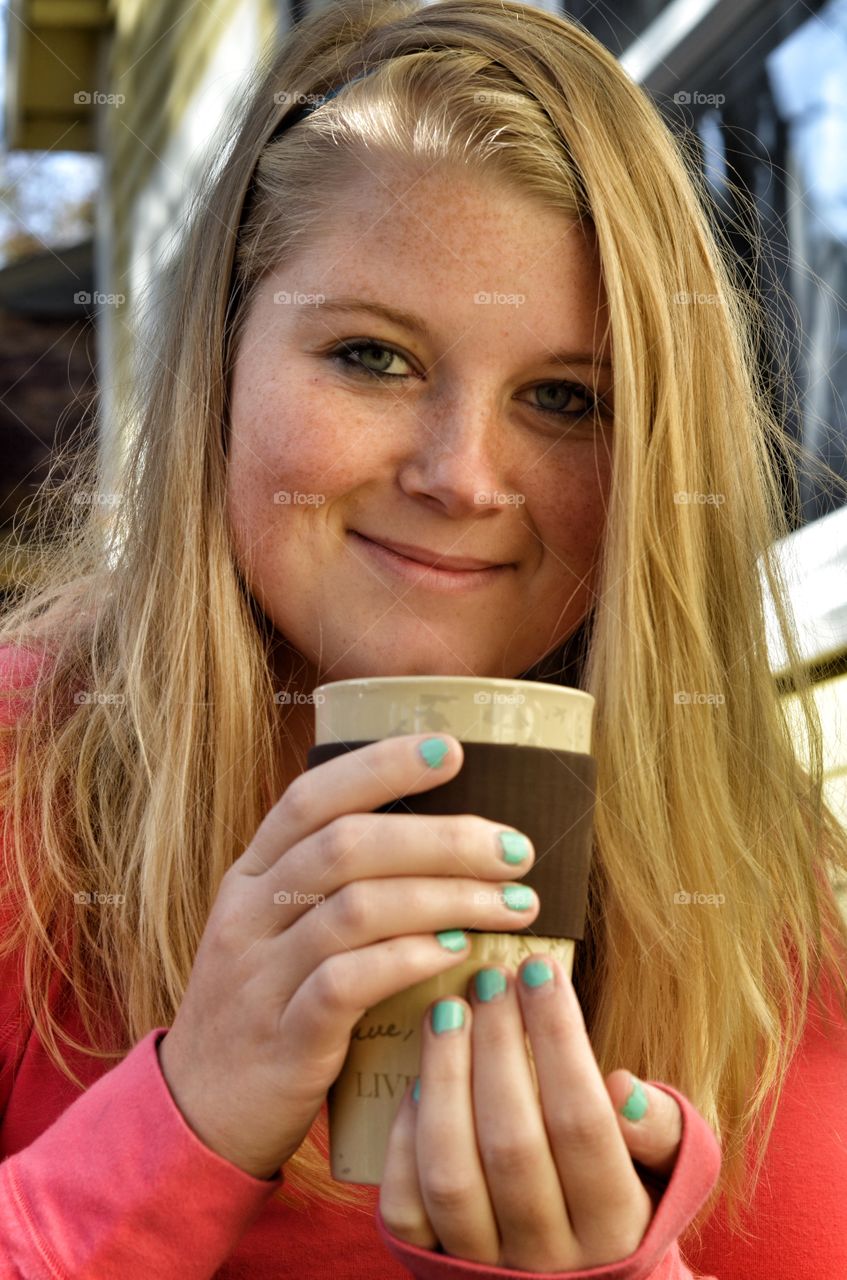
(649, 1119)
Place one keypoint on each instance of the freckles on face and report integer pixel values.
(318, 456)
(566, 507)
(292, 455)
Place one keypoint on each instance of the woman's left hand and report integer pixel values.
(483, 1168)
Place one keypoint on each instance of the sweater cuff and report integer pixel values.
(121, 1185)
(693, 1177)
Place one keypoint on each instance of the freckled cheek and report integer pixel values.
(570, 518)
(306, 443)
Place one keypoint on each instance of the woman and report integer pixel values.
(490, 169)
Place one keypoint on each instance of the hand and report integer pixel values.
(330, 909)
(483, 1168)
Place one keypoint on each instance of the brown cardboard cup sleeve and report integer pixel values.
(547, 794)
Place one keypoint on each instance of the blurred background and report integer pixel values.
(110, 108)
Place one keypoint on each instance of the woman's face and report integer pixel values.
(474, 443)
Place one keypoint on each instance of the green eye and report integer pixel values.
(346, 353)
(347, 356)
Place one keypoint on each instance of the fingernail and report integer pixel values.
(635, 1106)
(416, 1091)
(515, 846)
(518, 896)
(535, 973)
(433, 751)
(452, 939)
(489, 983)
(447, 1015)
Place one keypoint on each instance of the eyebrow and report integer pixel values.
(408, 320)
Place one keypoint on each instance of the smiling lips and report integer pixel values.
(463, 574)
(434, 557)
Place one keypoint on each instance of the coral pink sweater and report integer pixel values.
(112, 1184)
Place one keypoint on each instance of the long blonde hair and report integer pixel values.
(152, 787)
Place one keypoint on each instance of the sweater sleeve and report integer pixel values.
(120, 1185)
(694, 1175)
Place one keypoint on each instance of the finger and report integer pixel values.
(319, 1017)
(355, 847)
(449, 1169)
(650, 1121)
(364, 910)
(607, 1203)
(353, 781)
(522, 1177)
(400, 1200)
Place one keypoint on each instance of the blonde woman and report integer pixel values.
(297, 451)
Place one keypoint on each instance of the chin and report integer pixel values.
(405, 665)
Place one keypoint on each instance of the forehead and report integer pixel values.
(448, 244)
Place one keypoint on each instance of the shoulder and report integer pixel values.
(21, 658)
(19, 667)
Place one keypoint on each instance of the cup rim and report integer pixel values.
(541, 685)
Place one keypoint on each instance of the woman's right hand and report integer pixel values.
(330, 909)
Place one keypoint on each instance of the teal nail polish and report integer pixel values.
(518, 896)
(515, 846)
(433, 751)
(416, 1091)
(447, 1015)
(452, 939)
(635, 1106)
(536, 972)
(489, 983)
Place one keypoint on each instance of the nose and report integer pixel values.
(455, 461)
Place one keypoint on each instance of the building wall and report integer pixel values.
(180, 67)
(831, 701)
